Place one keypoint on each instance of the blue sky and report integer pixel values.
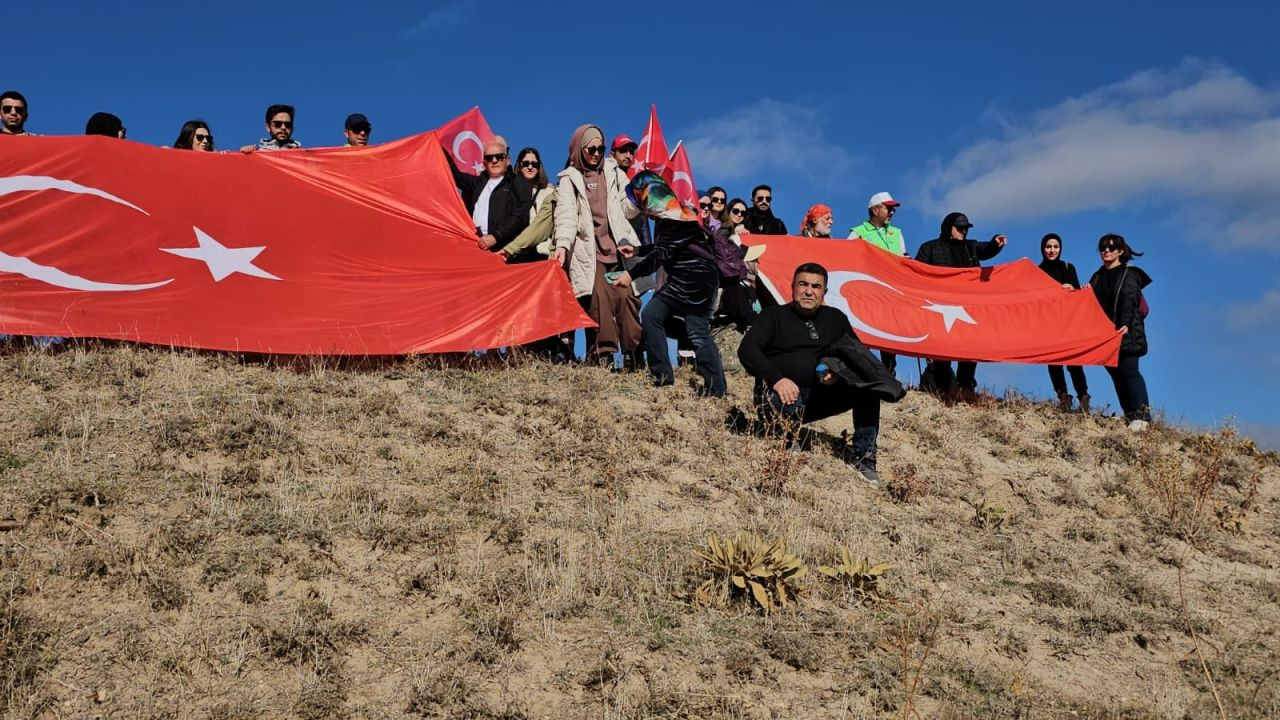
(1160, 121)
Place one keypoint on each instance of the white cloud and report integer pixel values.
(1199, 138)
(444, 17)
(1257, 315)
(767, 135)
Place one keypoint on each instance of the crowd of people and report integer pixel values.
(619, 234)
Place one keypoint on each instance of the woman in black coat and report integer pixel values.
(1118, 287)
(1065, 273)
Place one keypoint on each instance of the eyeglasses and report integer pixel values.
(594, 149)
(495, 157)
(891, 209)
(530, 164)
(13, 109)
(717, 201)
(704, 206)
(282, 124)
(737, 211)
(813, 330)
(202, 138)
(764, 198)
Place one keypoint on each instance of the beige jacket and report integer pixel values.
(574, 229)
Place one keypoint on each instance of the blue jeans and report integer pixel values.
(655, 317)
(824, 401)
(1131, 388)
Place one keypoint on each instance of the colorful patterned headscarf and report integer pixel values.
(653, 196)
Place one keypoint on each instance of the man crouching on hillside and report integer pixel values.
(783, 349)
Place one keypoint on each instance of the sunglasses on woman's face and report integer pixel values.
(202, 138)
(530, 164)
(704, 206)
(736, 211)
(595, 149)
(1108, 249)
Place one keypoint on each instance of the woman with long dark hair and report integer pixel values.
(195, 135)
(524, 247)
(1065, 273)
(1118, 287)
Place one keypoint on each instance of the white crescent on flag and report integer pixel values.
(835, 298)
(53, 275)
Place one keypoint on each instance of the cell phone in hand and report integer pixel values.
(611, 276)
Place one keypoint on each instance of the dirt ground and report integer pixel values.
(196, 536)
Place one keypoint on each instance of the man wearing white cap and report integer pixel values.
(877, 231)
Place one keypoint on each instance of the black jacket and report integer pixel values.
(681, 249)
(764, 223)
(780, 343)
(1119, 292)
(945, 252)
(509, 202)
(853, 363)
(1062, 271)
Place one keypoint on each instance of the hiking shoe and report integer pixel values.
(1064, 402)
(1138, 425)
(868, 472)
(1084, 404)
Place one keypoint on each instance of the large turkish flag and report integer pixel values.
(1005, 313)
(353, 251)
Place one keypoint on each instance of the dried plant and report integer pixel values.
(746, 568)
(861, 576)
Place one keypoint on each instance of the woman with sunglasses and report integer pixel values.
(195, 135)
(817, 222)
(739, 302)
(1118, 287)
(593, 234)
(716, 198)
(533, 243)
(1065, 274)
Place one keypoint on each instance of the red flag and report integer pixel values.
(651, 153)
(342, 251)
(1005, 313)
(465, 137)
(679, 175)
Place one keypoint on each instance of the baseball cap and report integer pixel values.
(882, 198)
(356, 121)
(622, 141)
(962, 221)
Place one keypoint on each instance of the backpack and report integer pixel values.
(726, 255)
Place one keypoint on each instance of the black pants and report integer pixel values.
(824, 401)
(964, 378)
(890, 360)
(1059, 380)
(1131, 388)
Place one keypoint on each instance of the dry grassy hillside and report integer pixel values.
(186, 536)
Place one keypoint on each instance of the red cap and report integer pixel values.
(622, 141)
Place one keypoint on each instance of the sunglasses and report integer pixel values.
(717, 201)
(764, 198)
(202, 138)
(1108, 249)
(13, 109)
(496, 157)
(813, 331)
(704, 206)
(362, 130)
(530, 164)
(737, 211)
(594, 149)
(282, 124)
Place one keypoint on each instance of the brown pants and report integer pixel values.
(617, 311)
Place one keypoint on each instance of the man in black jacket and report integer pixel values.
(953, 248)
(782, 350)
(498, 200)
(760, 219)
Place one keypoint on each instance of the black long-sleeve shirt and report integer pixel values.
(780, 343)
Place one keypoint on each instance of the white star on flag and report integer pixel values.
(950, 313)
(477, 167)
(222, 260)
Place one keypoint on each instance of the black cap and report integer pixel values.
(357, 121)
(962, 221)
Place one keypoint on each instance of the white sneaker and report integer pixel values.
(1138, 425)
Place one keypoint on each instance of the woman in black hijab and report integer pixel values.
(1065, 273)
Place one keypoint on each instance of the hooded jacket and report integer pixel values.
(680, 248)
(574, 229)
(1119, 292)
(945, 252)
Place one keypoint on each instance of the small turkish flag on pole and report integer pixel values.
(651, 153)
(679, 175)
(465, 137)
